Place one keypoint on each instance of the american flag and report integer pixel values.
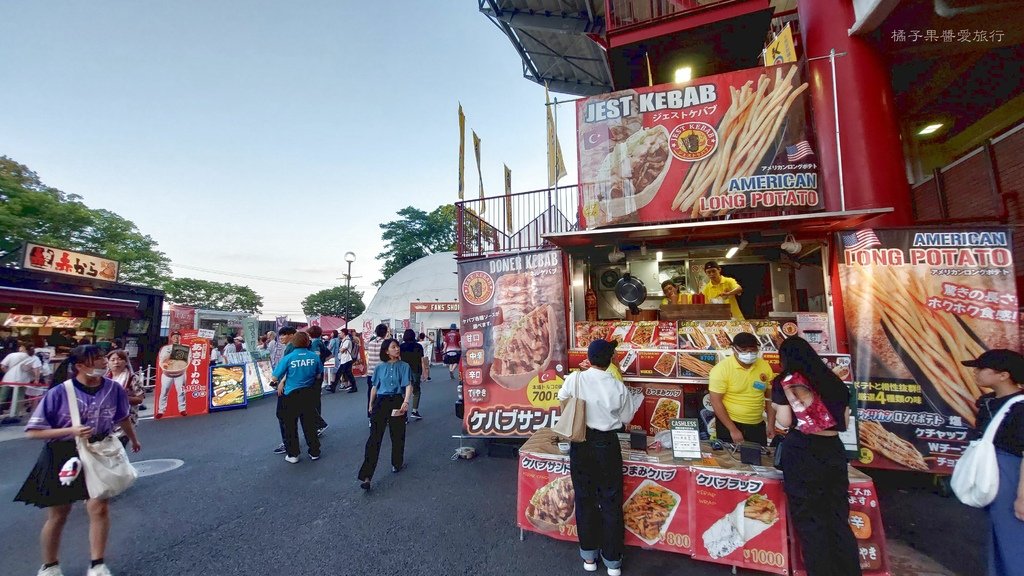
(860, 240)
(799, 151)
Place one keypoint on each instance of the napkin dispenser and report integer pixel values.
(750, 453)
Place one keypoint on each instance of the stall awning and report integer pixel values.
(9, 295)
(816, 223)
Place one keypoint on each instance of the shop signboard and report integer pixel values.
(739, 520)
(513, 342)
(918, 302)
(183, 376)
(266, 373)
(415, 307)
(182, 318)
(68, 263)
(719, 145)
(251, 334)
(655, 508)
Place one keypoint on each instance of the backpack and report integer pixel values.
(354, 349)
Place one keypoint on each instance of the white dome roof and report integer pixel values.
(433, 278)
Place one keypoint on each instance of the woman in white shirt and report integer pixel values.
(21, 367)
(596, 463)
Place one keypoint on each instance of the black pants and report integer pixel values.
(320, 422)
(816, 484)
(380, 420)
(751, 432)
(300, 406)
(596, 470)
(344, 372)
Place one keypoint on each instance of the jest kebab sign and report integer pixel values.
(918, 302)
(513, 342)
(730, 143)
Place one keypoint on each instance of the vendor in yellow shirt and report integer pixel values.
(722, 287)
(672, 294)
(740, 390)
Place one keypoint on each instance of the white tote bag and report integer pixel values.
(105, 463)
(976, 476)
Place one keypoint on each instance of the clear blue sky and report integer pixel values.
(231, 130)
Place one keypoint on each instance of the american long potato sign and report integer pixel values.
(731, 143)
(917, 303)
(513, 342)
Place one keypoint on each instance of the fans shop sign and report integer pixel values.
(415, 307)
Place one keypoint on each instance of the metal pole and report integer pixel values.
(839, 145)
(348, 277)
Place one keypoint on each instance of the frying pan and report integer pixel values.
(631, 292)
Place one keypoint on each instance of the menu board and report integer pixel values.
(25, 321)
(627, 334)
(655, 506)
(917, 303)
(513, 342)
(227, 387)
(739, 520)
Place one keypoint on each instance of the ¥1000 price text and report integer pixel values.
(765, 557)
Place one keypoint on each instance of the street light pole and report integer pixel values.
(350, 257)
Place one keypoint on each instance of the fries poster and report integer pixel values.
(739, 520)
(918, 302)
(513, 342)
(724, 144)
(655, 504)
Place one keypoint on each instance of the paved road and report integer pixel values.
(236, 509)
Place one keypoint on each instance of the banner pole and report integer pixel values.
(839, 145)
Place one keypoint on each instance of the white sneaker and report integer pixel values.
(590, 566)
(100, 570)
(51, 571)
(288, 459)
(615, 572)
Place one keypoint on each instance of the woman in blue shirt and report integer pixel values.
(300, 394)
(389, 401)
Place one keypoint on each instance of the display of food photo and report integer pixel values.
(648, 511)
(552, 505)
(227, 386)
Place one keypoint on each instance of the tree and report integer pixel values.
(415, 235)
(30, 211)
(213, 295)
(338, 301)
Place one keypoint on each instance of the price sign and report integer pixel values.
(685, 438)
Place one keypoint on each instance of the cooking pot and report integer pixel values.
(631, 292)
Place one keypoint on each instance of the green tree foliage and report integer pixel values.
(30, 211)
(339, 301)
(212, 295)
(414, 235)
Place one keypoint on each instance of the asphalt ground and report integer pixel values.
(234, 508)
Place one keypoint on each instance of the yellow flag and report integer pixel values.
(462, 154)
(479, 170)
(556, 166)
(508, 199)
(781, 50)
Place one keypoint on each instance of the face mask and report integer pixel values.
(747, 357)
(97, 372)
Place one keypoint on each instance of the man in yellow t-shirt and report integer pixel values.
(722, 287)
(740, 387)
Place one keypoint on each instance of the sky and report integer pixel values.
(236, 131)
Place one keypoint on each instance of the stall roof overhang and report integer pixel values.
(9, 295)
(816, 223)
(556, 40)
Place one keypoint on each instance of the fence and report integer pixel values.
(517, 222)
(629, 13)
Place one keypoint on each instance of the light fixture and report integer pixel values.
(616, 255)
(929, 129)
(683, 74)
(732, 251)
(790, 245)
(659, 255)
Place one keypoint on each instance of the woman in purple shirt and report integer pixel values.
(57, 481)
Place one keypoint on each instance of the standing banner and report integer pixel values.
(723, 144)
(513, 342)
(251, 331)
(280, 322)
(479, 171)
(183, 376)
(508, 199)
(462, 153)
(917, 303)
(182, 318)
(781, 50)
(739, 520)
(556, 164)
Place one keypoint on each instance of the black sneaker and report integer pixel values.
(280, 449)
(415, 415)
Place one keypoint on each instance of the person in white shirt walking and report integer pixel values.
(596, 463)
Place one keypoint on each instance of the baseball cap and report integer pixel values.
(600, 352)
(711, 265)
(1000, 360)
(454, 326)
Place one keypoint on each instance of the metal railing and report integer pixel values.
(624, 14)
(515, 223)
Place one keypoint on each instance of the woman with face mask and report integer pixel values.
(739, 387)
(120, 371)
(57, 480)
